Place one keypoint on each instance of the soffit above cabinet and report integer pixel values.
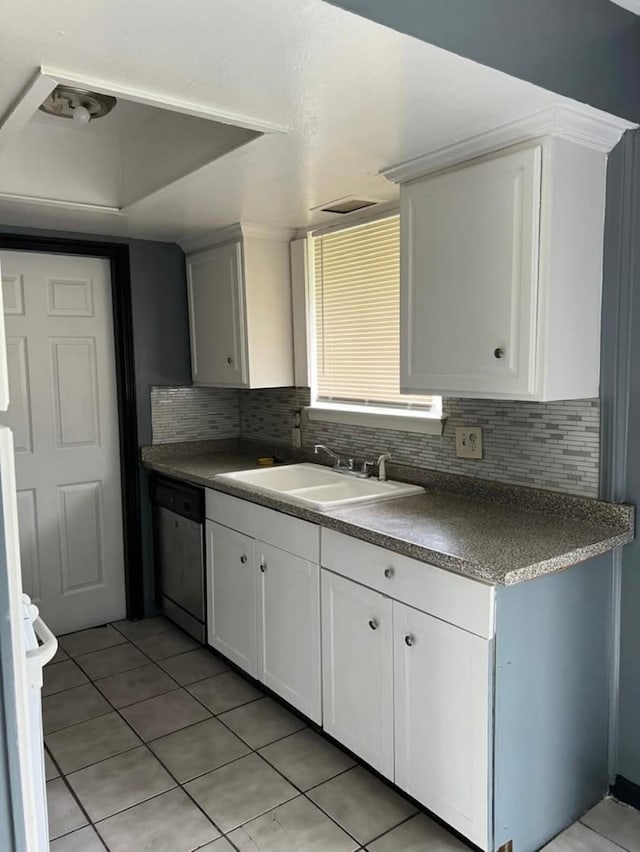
(353, 96)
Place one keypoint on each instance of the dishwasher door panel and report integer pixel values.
(180, 552)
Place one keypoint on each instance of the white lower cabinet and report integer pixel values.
(357, 674)
(232, 595)
(264, 597)
(441, 695)
(289, 628)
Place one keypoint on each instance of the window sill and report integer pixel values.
(431, 424)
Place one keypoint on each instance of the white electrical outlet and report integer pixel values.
(469, 442)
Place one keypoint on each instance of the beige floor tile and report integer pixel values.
(64, 813)
(60, 676)
(50, 769)
(164, 714)
(198, 749)
(135, 685)
(110, 661)
(361, 804)
(167, 644)
(306, 759)
(168, 823)
(193, 665)
(59, 656)
(220, 845)
(416, 835)
(120, 782)
(91, 741)
(224, 692)
(579, 838)
(83, 840)
(297, 826)
(72, 706)
(142, 629)
(94, 639)
(240, 791)
(262, 722)
(617, 822)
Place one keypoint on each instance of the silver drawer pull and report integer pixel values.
(263, 567)
(374, 623)
(409, 639)
(389, 572)
(243, 558)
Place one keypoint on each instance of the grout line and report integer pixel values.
(598, 834)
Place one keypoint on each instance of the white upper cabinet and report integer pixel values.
(501, 274)
(240, 312)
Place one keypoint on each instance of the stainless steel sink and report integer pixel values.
(317, 487)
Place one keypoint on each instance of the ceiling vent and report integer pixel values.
(349, 205)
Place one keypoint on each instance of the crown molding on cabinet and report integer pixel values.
(236, 232)
(585, 127)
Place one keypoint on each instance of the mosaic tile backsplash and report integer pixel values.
(545, 445)
(194, 414)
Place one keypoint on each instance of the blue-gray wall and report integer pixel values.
(584, 49)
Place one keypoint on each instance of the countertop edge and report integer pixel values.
(471, 570)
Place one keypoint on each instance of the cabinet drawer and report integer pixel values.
(466, 603)
(291, 534)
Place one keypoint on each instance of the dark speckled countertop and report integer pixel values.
(494, 536)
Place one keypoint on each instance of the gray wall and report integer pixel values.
(584, 49)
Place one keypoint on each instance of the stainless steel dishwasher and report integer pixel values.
(179, 553)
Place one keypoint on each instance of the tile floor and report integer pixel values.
(152, 743)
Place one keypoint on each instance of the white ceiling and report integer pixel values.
(356, 98)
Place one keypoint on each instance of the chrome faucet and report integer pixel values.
(329, 452)
(382, 470)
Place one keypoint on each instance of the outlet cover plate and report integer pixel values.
(469, 442)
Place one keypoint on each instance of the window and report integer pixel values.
(356, 307)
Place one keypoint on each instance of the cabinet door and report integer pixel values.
(231, 595)
(469, 261)
(442, 717)
(357, 669)
(289, 628)
(216, 316)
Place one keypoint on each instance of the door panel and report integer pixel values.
(357, 669)
(231, 590)
(469, 264)
(74, 388)
(442, 719)
(289, 628)
(64, 415)
(214, 280)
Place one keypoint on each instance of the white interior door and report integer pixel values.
(64, 416)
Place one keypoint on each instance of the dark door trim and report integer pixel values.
(118, 256)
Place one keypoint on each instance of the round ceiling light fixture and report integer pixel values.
(79, 104)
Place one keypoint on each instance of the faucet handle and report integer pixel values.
(382, 471)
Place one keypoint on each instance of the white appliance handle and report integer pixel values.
(45, 652)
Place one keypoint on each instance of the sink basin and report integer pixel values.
(317, 487)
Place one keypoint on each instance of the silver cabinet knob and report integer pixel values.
(498, 353)
(389, 572)
(243, 558)
(374, 623)
(409, 639)
(263, 567)
(229, 360)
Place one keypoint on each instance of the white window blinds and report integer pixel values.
(356, 274)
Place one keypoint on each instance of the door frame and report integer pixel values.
(122, 306)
